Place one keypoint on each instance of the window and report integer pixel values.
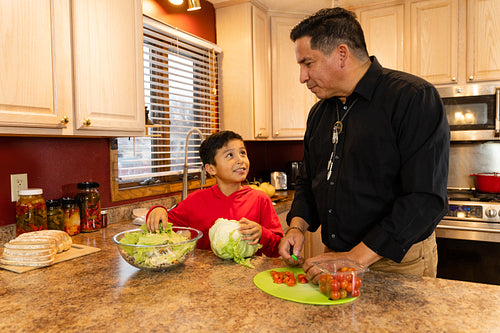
(181, 93)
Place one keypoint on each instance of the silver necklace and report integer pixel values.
(337, 129)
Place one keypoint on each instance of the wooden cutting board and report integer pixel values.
(76, 250)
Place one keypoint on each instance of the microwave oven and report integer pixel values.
(473, 112)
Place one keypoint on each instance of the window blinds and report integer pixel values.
(181, 92)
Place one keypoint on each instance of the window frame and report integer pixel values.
(170, 186)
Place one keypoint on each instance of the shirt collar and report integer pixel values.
(366, 85)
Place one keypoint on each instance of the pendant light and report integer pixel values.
(176, 2)
(193, 5)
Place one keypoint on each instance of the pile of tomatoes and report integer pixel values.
(341, 284)
(288, 278)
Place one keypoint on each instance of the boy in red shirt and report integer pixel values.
(224, 156)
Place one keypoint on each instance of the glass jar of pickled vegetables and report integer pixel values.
(31, 211)
(89, 202)
(71, 214)
(55, 215)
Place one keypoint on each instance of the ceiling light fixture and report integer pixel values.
(193, 5)
(176, 2)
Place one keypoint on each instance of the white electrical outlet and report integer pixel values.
(18, 182)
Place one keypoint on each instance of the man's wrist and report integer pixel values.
(299, 229)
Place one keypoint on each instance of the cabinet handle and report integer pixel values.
(259, 134)
(471, 78)
(65, 120)
(277, 133)
(454, 78)
(86, 122)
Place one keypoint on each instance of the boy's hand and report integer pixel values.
(157, 215)
(251, 231)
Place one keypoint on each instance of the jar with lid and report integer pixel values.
(89, 202)
(71, 216)
(31, 211)
(55, 215)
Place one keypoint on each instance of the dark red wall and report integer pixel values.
(57, 164)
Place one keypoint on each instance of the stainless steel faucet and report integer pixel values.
(185, 174)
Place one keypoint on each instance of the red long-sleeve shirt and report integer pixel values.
(202, 208)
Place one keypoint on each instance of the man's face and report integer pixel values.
(319, 72)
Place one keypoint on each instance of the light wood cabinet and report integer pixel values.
(71, 68)
(243, 35)
(262, 98)
(291, 99)
(483, 37)
(447, 42)
(434, 40)
(383, 27)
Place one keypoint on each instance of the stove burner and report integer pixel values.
(472, 195)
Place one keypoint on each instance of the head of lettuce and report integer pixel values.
(226, 243)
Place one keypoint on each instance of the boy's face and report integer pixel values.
(231, 163)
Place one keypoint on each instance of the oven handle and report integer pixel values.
(467, 229)
(497, 119)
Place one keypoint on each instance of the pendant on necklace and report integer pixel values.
(337, 129)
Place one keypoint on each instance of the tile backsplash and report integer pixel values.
(115, 214)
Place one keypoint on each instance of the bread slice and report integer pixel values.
(27, 263)
(33, 258)
(31, 243)
(15, 252)
(62, 239)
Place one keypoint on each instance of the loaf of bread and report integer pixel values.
(36, 249)
(62, 239)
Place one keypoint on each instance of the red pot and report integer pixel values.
(488, 182)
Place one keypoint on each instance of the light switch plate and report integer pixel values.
(18, 182)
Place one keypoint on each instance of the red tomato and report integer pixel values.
(343, 293)
(322, 278)
(357, 283)
(355, 293)
(291, 282)
(322, 288)
(340, 277)
(303, 281)
(334, 294)
(349, 287)
(334, 285)
(344, 269)
(343, 284)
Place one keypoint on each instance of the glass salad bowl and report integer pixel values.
(157, 251)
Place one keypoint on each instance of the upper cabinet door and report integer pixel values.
(383, 28)
(108, 65)
(434, 40)
(27, 64)
(291, 100)
(483, 34)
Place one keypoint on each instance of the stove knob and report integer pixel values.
(490, 212)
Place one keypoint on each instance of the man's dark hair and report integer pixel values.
(214, 142)
(330, 27)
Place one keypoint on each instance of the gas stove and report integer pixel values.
(472, 216)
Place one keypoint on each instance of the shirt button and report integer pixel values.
(330, 211)
(332, 183)
(345, 107)
(333, 236)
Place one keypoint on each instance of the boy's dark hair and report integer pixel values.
(214, 142)
(330, 27)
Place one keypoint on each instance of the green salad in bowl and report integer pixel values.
(157, 251)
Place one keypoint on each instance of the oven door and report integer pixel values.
(468, 230)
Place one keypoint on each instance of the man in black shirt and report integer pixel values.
(375, 165)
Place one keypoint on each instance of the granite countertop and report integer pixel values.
(101, 292)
